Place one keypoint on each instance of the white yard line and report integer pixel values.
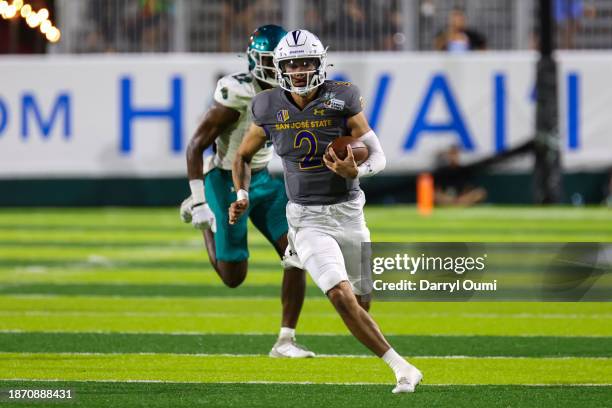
(546, 316)
(209, 333)
(300, 383)
(232, 355)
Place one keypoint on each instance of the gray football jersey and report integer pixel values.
(300, 138)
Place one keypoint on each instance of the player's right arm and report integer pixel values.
(217, 119)
(254, 140)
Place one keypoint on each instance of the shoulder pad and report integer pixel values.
(235, 90)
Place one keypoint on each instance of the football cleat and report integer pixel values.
(408, 382)
(185, 210)
(288, 348)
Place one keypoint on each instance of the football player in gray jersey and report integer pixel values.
(325, 209)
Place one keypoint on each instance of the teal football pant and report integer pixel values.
(267, 202)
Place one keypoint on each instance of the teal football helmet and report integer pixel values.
(260, 52)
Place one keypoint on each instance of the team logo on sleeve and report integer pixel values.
(335, 104)
(282, 115)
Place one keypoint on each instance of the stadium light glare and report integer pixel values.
(33, 20)
(10, 12)
(26, 10)
(43, 14)
(53, 35)
(45, 26)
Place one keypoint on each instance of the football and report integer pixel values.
(360, 150)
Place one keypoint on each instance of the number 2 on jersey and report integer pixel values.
(309, 160)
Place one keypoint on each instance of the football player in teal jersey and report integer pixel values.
(224, 126)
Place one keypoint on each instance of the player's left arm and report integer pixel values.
(347, 168)
(254, 140)
(360, 129)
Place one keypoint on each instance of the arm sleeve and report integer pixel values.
(376, 161)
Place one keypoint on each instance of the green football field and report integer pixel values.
(121, 307)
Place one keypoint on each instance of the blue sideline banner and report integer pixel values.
(117, 115)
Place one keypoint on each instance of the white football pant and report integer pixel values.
(328, 240)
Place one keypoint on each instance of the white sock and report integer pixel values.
(396, 362)
(286, 333)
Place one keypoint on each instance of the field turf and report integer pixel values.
(121, 306)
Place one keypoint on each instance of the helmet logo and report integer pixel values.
(298, 38)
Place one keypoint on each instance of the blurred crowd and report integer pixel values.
(141, 25)
(346, 25)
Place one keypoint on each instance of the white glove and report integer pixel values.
(202, 217)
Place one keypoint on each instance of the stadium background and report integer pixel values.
(121, 305)
(87, 100)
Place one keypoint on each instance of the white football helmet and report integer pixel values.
(299, 45)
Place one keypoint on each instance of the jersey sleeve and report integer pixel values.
(259, 109)
(229, 93)
(353, 100)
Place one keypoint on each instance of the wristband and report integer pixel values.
(242, 194)
(197, 191)
(364, 169)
